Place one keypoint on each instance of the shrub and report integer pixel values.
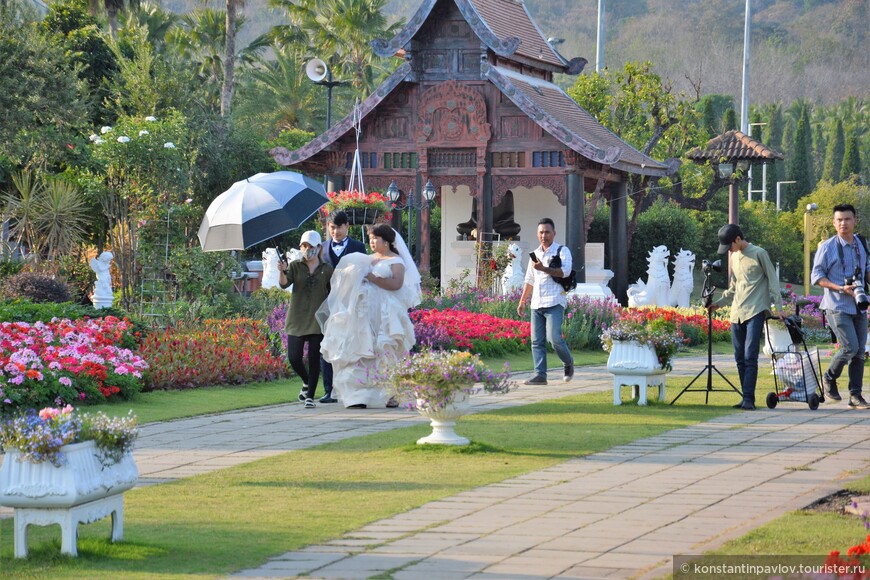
(10, 268)
(36, 287)
(212, 352)
(585, 319)
(665, 224)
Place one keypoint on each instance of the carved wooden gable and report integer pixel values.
(452, 115)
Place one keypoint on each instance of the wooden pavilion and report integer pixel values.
(474, 110)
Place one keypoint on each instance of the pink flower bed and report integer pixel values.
(65, 361)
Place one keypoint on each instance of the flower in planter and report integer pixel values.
(431, 379)
(38, 437)
(663, 335)
(348, 200)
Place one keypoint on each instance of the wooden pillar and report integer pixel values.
(575, 236)
(619, 241)
(733, 202)
(485, 200)
(334, 183)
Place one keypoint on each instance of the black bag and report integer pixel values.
(569, 282)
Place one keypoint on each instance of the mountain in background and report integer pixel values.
(800, 49)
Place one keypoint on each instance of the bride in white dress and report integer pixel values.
(365, 318)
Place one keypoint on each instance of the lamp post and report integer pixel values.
(778, 183)
(319, 73)
(808, 234)
(413, 204)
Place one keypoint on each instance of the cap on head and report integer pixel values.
(727, 235)
(311, 237)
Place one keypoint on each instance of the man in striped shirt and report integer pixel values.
(840, 257)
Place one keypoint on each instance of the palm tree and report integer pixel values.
(278, 95)
(343, 30)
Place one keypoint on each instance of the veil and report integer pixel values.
(411, 290)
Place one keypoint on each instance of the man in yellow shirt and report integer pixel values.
(753, 282)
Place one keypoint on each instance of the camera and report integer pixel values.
(709, 267)
(861, 299)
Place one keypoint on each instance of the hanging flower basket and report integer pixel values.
(361, 208)
(362, 216)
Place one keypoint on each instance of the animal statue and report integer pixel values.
(658, 282)
(684, 282)
(271, 274)
(512, 278)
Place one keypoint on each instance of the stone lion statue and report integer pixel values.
(684, 281)
(513, 275)
(658, 282)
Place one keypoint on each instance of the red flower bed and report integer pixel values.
(696, 320)
(480, 333)
(215, 352)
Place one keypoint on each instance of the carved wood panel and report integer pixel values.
(452, 114)
(555, 183)
(393, 127)
(516, 127)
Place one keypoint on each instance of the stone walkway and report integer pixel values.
(621, 513)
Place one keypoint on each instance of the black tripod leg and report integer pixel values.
(692, 382)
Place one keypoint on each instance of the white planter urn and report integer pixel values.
(635, 364)
(82, 490)
(443, 421)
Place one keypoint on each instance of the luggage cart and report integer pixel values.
(796, 368)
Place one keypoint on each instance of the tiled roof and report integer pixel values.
(735, 146)
(510, 18)
(567, 121)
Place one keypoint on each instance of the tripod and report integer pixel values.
(707, 295)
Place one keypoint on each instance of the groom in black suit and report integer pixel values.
(336, 246)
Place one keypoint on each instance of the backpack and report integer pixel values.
(569, 282)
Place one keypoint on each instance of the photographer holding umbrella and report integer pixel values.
(310, 278)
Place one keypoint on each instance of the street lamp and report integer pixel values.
(319, 73)
(808, 234)
(778, 183)
(413, 205)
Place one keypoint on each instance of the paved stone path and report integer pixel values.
(621, 513)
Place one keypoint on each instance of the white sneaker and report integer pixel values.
(302, 396)
(309, 404)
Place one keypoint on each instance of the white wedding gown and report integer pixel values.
(366, 329)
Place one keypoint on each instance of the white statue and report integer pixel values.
(271, 274)
(684, 281)
(513, 276)
(658, 282)
(102, 267)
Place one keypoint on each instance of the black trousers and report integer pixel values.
(295, 348)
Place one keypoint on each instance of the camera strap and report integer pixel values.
(858, 264)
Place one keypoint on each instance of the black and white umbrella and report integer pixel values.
(259, 208)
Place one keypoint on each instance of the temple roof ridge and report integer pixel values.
(505, 26)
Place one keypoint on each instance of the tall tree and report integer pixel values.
(851, 157)
(229, 58)
(834, 154)
(773, 139)
(729, 120)
(799, 165)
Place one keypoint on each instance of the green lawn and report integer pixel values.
(237, 518)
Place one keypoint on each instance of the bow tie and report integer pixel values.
(338, 244)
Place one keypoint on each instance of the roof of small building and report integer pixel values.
(734, 145)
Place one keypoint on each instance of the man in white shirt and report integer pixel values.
(548, 302)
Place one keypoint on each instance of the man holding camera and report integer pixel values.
(548, 301)
(840, 267)
(753, 281)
